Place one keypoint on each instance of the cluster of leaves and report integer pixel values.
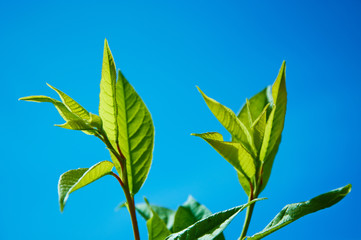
(125, 126)
(256, 134)
(192, 220)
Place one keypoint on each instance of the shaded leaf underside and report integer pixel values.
(292, 212)
(165, 214)
(210, 227)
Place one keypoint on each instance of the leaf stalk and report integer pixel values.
(103, 136)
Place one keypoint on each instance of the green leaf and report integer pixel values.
(66, 114)
(165, 214)
(96, 121)
(74, 107)
(258, 127)
(183, 219)
(189, 213)
(127, 123)
(210, 227)
(198, 210)
(251, 118)
(246, 183)
(276, 119)
(121, 205)
(274, 126)
(76, 117)
(230, 121)
(267, 166)
(157, 229)
(107, 102)
(255, 106)
(292, 212)
(136, 133)
(78, 124)
(235, 154)
(78, 178)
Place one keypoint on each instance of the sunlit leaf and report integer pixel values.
(66, 114)
(95, 121)
(78, 124)
(256, 105)
(274, 126)
(246, 183)
(230, 121)
(107, 102)
(267, 166)
(74, 107)
(235, 154)
(78, 178)
(292, 212)
(76, 117)
(258, 127)
(127, 123)
(136, 133)
(276, 119)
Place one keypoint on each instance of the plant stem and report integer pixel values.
(247, 221)
(131, 207)
(102, 136)
(133, 216)
(130, 199)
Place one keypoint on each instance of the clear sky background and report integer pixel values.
(232, 50)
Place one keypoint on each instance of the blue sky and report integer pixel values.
(232, 50)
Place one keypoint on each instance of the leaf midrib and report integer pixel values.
(127, 161)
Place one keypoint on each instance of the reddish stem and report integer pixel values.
(131, 206)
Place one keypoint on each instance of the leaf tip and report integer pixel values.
(348, 188)
(62, 205)
(191, 198)
(50, 86)
(199, 90)
(29, 99)
(195, 134)
(106, 45)
(283, 68)
(146, 201)
(120, 206)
